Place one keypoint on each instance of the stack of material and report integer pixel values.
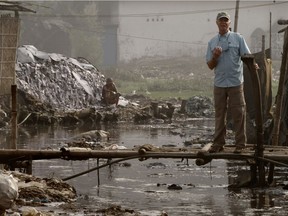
(63, 82)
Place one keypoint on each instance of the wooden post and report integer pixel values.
(154, 106)
(183, 106)
(170, 110)
(279, 102)
(254, 179)
(259, 152)
(14, 117)
(14, 131)
(263, 43)
(279, 96)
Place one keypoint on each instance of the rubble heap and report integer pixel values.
(55, 89)
(63, 82)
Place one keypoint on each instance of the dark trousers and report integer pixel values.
(234, 98)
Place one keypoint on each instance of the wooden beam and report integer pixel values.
(10, 155)
(13, 6)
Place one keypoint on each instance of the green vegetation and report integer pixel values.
(164, 78)
(171, 78)
(165, 89)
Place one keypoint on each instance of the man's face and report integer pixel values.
(223, 24)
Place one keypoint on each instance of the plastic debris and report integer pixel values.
(8, 191)
(63, 82)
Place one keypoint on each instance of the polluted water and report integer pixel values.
(156, 186)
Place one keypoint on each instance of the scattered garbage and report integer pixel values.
(8, 191)
(199, 107)
(34, 189)
(93, 135)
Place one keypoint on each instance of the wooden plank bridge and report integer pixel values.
(278, 155)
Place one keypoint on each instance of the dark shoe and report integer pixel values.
(239, 149)
(215, 149)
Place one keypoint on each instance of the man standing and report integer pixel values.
(224, 53)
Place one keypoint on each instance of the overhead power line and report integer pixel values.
(141, 37)
(163, 40)
(177, 13)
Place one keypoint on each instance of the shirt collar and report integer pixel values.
(226, 35)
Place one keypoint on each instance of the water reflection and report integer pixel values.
(143, 186)
(261, 200)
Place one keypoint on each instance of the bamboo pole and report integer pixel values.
(270, 35)
(98, 173)
(134, 157)
(99, 167)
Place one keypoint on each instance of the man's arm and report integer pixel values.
(212, 63)
(216, 53)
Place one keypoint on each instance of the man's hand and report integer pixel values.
(217, 52)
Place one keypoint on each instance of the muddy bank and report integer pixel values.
(136, 109)
(52, 196)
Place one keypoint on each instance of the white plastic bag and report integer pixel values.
(8, 191)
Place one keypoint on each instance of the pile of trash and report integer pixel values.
(199, 107)
(20, 189)
(60, 81)
(8, 191)
(33, 189)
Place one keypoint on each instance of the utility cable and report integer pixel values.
(148, 14)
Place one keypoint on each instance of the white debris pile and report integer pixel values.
(62, 82)
(8, 191)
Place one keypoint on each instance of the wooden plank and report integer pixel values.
(7, 155)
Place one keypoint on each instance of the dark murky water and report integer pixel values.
(143, 185)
